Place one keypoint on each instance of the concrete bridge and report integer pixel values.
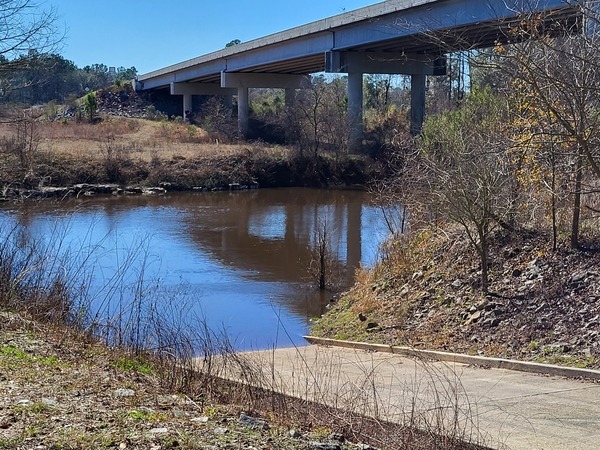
(408, 37)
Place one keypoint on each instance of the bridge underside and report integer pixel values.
(393, 43)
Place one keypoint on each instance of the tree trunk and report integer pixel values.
(577, 200)
(484, 254)
(484, 267)
(554, 220)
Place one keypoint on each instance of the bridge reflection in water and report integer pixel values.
(272, 234)
(240, 258)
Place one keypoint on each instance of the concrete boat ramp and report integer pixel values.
(497, 407)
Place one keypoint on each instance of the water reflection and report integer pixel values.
(239, 258)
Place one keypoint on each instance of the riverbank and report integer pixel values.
(542, 305)
(133, 154)
(61, 389)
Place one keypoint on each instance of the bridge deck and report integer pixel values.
(399, 26)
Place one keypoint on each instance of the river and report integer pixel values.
(237, 261)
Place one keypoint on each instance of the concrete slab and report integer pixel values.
(506, 409)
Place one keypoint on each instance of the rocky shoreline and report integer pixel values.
(542, 305)
(90, 190)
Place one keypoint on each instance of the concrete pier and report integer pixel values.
(418, 84)
(244, 81)
(355, 109)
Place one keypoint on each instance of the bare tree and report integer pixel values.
(23, 144)
(469, 182)
(547, 64)
(318, 118)
(399, 195)
(25, 29)
(321, 264)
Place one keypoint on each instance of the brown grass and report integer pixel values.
(133, 152)
(143, 139)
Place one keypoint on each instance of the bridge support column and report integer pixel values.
(187, 105)
(290, 97)
(243, 111)
(355, 110)
(418, 66)
(243, 81)
(418, 84)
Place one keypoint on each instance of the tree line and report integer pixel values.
(38, 78)
(31, 69)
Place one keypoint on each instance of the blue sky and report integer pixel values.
(152, 34)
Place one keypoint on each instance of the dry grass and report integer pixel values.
(137, 152)
(141, 152)
(143, 139)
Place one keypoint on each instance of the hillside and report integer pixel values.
(542, 305)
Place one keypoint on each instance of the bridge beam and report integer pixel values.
(263, 80)
(243, 81)
(384, 63)
(200, 89)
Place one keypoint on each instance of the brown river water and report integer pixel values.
(237, 261)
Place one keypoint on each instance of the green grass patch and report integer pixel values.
(15, 353)
(145, 415)
(10, 444)
(128, 364)
(340, 323)
(211, 411)
(10, 351)
(579, 362)
(33, 409)
(49, 361)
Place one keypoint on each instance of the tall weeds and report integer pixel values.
(60, 280)
(38, 278)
